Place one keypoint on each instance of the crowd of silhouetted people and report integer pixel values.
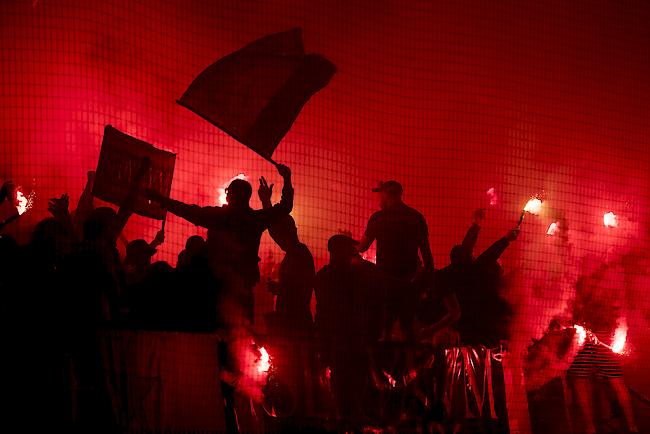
(70, 281)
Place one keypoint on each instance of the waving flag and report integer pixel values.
(256, 93)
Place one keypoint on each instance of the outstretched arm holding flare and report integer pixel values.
(495, 251)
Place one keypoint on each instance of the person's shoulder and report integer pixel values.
(410, 210)
(302, 248)
(377, 214)
(323, 273)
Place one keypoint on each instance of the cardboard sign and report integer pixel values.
(120, 159)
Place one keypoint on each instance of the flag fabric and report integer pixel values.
(120, 159)
(256, 93)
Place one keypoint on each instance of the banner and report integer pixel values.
(256, 93)
(120, 160)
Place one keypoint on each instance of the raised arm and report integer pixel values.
(85, 204)
(200, 216)
(495, 251)
(471, 237)
(283, 208)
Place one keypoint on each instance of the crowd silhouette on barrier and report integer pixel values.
(399, 324)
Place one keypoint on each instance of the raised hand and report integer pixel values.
(284, 171)
(265, 191)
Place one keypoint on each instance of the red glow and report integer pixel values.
(492, 196)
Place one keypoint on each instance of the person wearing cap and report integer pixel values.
(403, 246)
(234, 233)
(347, 323)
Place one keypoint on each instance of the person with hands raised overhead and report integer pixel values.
(234, 233)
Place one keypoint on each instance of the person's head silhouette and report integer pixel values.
(390, 193)
(238, 193)
(342, 249)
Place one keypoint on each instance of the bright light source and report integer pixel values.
(610, 220)
(533, 206)
(553, 228)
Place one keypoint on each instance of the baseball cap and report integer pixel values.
(392, 187)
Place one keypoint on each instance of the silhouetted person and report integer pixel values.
(94, 279)
(402, 238)
(291, 323)
(296, 272)
(195, 248)
(477, 283)
(598, 312)
(348, 321)
(234, 232)
(34, 345)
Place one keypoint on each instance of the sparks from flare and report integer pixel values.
(222, 190)
(492, 195)
(24, 203)
(553, 228)
(610, 220)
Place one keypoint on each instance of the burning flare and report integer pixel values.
(620, 337)
(533, 206)
(610, 220)
(24, 203)
(222, 190)
(553, 228)
(582, 334)
(265, 361)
